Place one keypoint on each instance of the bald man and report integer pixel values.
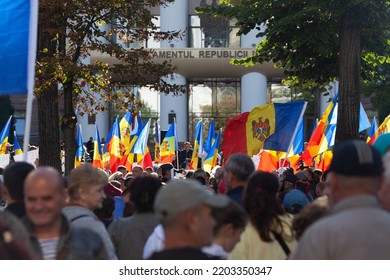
(50, 232)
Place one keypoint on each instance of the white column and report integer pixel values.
(174, 17)
(253, 85)
(177, 105)
(102, 118)
(88, 130)
(253, 91)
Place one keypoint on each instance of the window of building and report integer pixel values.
(20, 124)
(91, 119)
(209, 32)
(207, 99)
(122, 39)
(150, 104)
(213, 99)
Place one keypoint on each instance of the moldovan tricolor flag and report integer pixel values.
(125, 129)
(371, 135)
(97, 150)
(269, 127)
(383, 128)
(115, 147)
(157, 158)
(314, 144)
(4, 136)
(198, 146)
(168, 146)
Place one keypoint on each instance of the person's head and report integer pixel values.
(190, 174)
(187, 146)
(149, 170)
(260, 201)
(238, 168)
(219, 173)
(86, 186)
(143, 192)
(308, 216)
(309, 174)
(231, 221)
(118, 177)
(202, 176)
(166, 171)
(122, 169)
(185, 211)
(294, 201)
(356, 169)
(317, 174)
(137, 171)
(289, 181)
(44, 197)
(14, 176)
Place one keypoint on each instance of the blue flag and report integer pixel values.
(18, 29)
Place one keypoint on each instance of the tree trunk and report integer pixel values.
(48, 118)
(350, 85)
(68, 126)
(49, 133)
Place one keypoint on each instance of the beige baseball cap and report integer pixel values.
(181, 195)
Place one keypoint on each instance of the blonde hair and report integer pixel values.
(83, 177)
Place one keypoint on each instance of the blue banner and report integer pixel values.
(14, 46)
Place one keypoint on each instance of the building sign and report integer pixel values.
(203, 53)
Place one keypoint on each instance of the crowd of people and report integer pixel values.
(234, 212)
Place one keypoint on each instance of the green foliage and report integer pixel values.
(114, 28)
(379, 91)
(303, 36)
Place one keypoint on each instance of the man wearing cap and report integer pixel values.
(185, 212)
(356, 226)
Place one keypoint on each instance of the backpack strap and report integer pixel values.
(78, 217)
(281, 242)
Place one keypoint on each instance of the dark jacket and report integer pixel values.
(17, 208)
(74, 243)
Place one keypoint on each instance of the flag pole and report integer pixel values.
(32, 47)
(176, 145)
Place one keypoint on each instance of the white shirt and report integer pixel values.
(155, 242)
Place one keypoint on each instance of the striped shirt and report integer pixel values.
(49, 248)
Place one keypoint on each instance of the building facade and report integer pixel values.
(215, 88)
